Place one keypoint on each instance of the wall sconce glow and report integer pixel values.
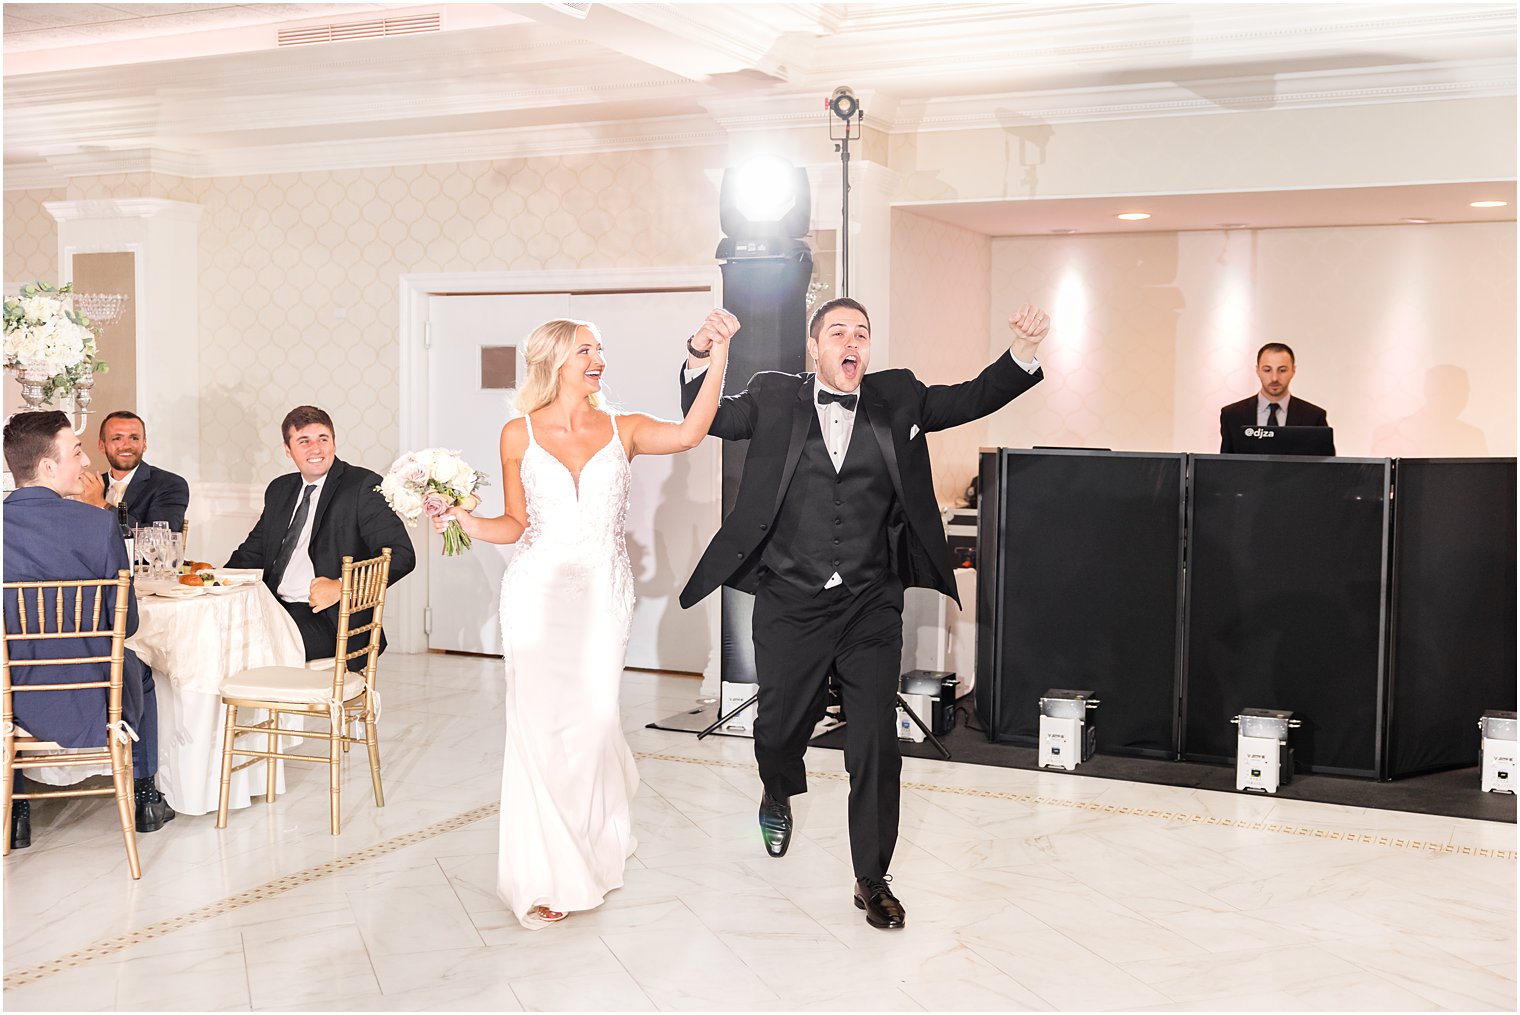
(1488, 204)
(1133, 216)
(1071, 304)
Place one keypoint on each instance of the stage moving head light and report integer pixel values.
(843, 103)
(764, 207)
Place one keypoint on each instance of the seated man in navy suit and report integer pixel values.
(51, 538)
(314, 517)
(148, 494)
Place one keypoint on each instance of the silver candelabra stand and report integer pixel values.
(102, 310)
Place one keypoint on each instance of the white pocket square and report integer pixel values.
(913, 431)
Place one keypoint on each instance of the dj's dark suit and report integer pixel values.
(1243, 413)
(796, 522)
(352, 519)
(154, 495)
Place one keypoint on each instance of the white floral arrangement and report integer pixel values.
(433, 482)
(44, 333)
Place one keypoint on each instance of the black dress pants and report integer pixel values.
(803, 635)
(319, 632)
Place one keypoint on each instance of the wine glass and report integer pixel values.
(143, 540)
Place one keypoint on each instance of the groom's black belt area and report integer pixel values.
(833, 522)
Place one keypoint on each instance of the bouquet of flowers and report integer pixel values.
(45, 336)
(432, 482)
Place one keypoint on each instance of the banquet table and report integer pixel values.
(193, 645)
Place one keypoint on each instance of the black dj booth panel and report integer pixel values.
(1286, 605)
(1079, 586)
(1453, 608)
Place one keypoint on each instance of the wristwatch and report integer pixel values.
(693, 350)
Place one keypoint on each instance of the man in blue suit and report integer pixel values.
(140, 493)
(50, 538)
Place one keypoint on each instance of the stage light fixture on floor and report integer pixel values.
(1498, 751)
(1066, 740)
(1263, 759)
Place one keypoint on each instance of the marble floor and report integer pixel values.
(1024, 890)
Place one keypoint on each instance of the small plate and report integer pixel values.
(180, 591)
(224, 590)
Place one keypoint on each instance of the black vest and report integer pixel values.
(832, 521)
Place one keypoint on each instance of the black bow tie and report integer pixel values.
(848, 401)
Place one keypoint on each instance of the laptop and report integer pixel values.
(1286, 440)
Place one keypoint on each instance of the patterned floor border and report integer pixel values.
(281, 885)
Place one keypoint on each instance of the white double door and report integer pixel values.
(674, 503)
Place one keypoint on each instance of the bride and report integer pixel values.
(566, 604)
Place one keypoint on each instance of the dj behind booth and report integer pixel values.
(1272, 421)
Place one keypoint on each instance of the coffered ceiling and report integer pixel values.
(208, 89)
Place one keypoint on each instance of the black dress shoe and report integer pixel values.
(153, 811)
(21, 824)
(775, 825)
(881, 906)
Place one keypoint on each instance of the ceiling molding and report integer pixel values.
(33, 176)
(1486, 79)
(119, 208)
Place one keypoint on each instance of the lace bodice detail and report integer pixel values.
(578, 526)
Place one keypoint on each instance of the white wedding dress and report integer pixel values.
(566, 602)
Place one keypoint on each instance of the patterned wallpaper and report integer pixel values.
(940, 305)
(31, 236)
(1405, 334)
(299, 271)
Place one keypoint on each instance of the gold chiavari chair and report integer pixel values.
(336, 693)
(185, 538)
(37, 603)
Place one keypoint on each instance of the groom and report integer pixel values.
(835, 516)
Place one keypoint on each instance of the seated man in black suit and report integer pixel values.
(51, 538)
(312, 519)
(1271, 406)
(146, 493)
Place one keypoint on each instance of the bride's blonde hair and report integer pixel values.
(546, 351)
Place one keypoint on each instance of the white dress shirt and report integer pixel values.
(1263, 407)
(295, 583)
(118, 489)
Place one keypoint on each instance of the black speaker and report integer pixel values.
(769, 297)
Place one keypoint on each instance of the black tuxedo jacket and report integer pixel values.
(155, 495)
(1243, 413)
(352, 519)
(774, 413)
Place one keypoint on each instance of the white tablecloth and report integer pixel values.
(193, 645)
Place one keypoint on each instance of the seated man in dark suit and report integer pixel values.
(148, 494)
(1272, 406)
(312, 519)
(50, 538)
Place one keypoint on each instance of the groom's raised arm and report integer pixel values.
(1009, 376)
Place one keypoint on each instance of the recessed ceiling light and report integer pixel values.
(1232, 225)
(1488, 204)
(1133, 216)
(1418, 222)
(1063, 232)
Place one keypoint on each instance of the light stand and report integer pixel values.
(845, 108)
